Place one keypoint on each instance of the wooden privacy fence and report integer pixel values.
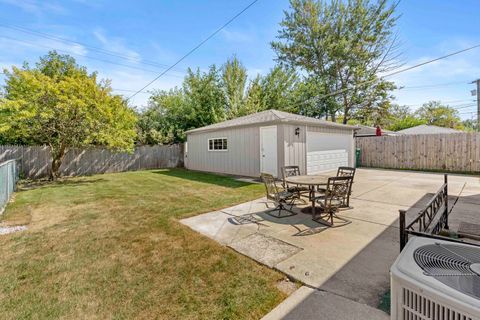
(457, 152)
(35, 161)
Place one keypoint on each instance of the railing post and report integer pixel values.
(445, 213)
(403, 234)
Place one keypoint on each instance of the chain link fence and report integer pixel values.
(8, 181)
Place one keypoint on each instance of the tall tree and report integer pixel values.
(201, 101)
(213, 96)
(234, 80)
(254, 98)
(278, 88)
(164, 120)
(434, 113)
(275, 90)
(205, 98)
(470, 125)
(344, 45)
(307, 102)
(59, 104)
(406, 122)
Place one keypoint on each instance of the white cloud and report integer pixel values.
(90, 3)
(133, 81)
(14, 46)
(163, 55)
(36, 7)
(237, 36)
(14, 52)
(115, 44)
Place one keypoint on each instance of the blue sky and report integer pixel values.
(159, 32)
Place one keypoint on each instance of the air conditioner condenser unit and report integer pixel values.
(436, 280)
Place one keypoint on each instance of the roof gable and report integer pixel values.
(427, 129)
(270, 116)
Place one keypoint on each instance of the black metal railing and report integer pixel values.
(430, 221)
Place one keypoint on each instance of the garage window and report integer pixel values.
(217, 144)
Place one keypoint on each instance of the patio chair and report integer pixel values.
(289, 171)
(347, 172)
(343, 172)
(336, 191)
(280, 198)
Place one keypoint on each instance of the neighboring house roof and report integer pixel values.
(426, 129)
(271, 116)
(366, 131)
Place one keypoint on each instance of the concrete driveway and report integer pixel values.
(345, 270)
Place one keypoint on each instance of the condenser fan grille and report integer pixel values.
(454, 265)
(439, 260)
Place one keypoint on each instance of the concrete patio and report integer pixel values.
(345, 270)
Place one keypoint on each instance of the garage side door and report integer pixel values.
(327, 151)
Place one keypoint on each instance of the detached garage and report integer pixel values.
(267, 141)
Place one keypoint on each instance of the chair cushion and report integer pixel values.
(334, 203)
(297, 189)
(285, 195)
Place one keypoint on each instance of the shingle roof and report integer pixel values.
(426, 129)
(271, 116)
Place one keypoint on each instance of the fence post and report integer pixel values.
(403, 234)
(445, 213)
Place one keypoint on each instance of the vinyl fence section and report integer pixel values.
(35, 161)
(8, 180)
(458, 152)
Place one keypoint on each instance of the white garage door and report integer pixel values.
(327, 151)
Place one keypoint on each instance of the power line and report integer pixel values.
(195, 48)
(84, 56)
(400, 71)
(468, 112)
(463, 107)
(443, 102)
(432, 85)
(128, 90)
(100, 50)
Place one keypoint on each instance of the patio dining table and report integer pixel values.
(311, 181)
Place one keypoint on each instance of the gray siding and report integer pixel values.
(280, 149)
(294, 147)
(242, 157)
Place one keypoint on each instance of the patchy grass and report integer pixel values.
(110, 247)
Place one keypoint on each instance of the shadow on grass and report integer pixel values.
(35, 184)
(210, 178)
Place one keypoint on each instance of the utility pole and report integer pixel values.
(478, 102)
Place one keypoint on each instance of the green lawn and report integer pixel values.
(111, 247)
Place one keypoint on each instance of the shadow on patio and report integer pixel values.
(345, 270)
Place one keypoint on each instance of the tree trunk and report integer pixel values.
(57, 158)
(345, 116)
(333, 117)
